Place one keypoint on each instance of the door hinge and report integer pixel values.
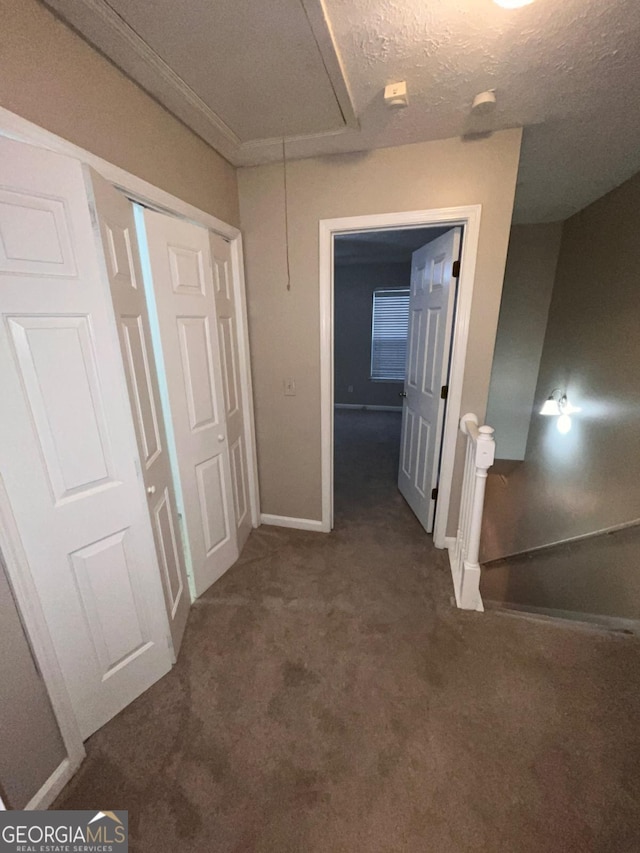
(455, 269)
(444, 392)
(434, 494)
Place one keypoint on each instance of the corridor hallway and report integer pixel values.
(367, 448)
(329, 699)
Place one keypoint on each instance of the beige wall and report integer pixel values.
(528, 282)
(284, 325)
(30, 744)
(586, 480)
(52, 77)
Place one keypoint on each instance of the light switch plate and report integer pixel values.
(289, 387)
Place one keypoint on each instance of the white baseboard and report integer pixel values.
(471, 601)
(295, 523)
(366, 408)
(52, 787)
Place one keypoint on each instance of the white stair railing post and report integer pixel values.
(464, 553)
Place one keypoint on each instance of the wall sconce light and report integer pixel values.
(557, 405)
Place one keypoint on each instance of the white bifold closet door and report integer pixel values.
(119, 247)
(181, 270)
(68, 454)
(227, 312)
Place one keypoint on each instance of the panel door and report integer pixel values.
(67, 445)
(431, 304)
(118, 243)
(180, 267)
(227, 313)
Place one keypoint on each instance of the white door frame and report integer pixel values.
(15, 127)
(469, 218)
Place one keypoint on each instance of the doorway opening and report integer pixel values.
(434, 353)
(394, 301)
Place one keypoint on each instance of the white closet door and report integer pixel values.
(431, 303)
(119, 245)
(180, 267)
(227, 312)
(67, 445)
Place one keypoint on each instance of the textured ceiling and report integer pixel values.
(566, 70)
(241, 72)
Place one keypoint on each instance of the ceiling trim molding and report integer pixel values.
(105, 29)
(254, 146)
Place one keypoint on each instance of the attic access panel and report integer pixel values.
(253, 68)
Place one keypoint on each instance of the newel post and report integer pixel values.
(485, 454)
(464, 554)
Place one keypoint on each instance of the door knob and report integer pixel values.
(151, 490)
(402, 394)
(220, 438)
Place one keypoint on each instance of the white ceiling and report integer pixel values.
(245, 73)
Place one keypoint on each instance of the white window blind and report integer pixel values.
(389, 334)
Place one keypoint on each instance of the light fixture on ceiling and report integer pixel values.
(512, 4)
(557, 405)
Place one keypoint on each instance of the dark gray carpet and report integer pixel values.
(328, 699)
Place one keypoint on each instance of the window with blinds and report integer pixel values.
(389, 334)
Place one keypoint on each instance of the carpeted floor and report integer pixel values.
(329, 699)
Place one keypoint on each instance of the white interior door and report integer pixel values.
(431, 304)
(67, 444)
(180, 266)
(114, 213)
(227, 313)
